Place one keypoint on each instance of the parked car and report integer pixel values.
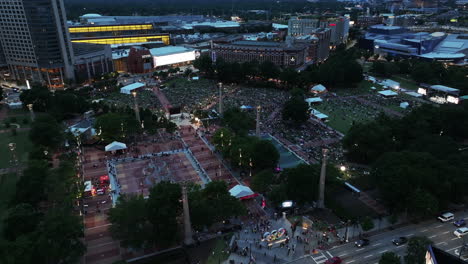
(460, 223)
(399, 241)
(334, 260)
(445, 217)
(361, 243)
(461, 231)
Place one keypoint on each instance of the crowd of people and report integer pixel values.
(193, 94)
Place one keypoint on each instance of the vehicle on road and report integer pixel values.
(334, 260)
(399, 241)
(445, 217)
(361, 242)
(461, 231)
(460, 223)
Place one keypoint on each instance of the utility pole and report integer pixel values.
(188, 239)
(257, 128)
(135, 105)
(220, 99)
(323, 172)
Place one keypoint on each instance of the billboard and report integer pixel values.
(173, 58)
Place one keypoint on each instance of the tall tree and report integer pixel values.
(130, 222)
(416, 250)
(46, 131)
(60, 236)
(163, 208)
(204, 64)
(295, 111)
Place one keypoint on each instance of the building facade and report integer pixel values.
(299, 27)
(91, 60)
(281, 54)
(35, 41)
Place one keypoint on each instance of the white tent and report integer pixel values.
(116, 146)
(313, 100)
(241, 191)
(128, 89)
(388, 93)
(318, 88)
(414, 94)
(404, 105)
(318, 114)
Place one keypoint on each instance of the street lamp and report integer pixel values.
(343, 168)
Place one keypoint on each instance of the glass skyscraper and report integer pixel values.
(35, 41)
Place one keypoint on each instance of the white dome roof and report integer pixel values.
(90, 15)
(438, 34)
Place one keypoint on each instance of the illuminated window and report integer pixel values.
(109, 28)
(124, 40)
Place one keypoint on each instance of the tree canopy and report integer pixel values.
(213, 204)
(390, 258)
(416, 250)
(296, 111)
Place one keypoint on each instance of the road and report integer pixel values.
(440, 233)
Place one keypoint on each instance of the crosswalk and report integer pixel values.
(320, 258)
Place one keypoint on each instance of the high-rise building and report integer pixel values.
(35, 41)
(299, 27)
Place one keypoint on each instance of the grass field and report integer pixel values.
(406, 82)
(364, 87)
(23, 146)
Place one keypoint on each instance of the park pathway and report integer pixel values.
(162, 99)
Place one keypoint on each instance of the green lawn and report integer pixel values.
(364, 87)
(406, 82)
(23, 146)
(219, 253)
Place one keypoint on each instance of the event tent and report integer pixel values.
(242, 192)
(318, 89)
(388, 93)
(318, 114)
(414, 94)
(404, 105)
(313, 100)
(128, 89)
(115, 146)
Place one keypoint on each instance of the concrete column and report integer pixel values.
(323, 171)
(188, 239)
(257, 128)
(87, 69)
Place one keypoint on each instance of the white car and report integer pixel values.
(461, 231)
(446, 217)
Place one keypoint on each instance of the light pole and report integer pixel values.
(31, 111)
(137, 111)
(220, 85)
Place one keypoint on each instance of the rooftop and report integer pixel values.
(169, 50)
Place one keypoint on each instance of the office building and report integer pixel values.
(299, 27)
(284, 54)
(35, 41)
(339, 27)
(318, 44)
